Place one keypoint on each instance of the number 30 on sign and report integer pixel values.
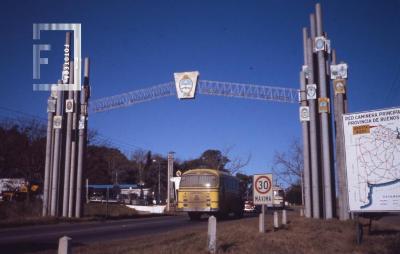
(262, 189)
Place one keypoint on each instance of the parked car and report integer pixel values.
(249, 207)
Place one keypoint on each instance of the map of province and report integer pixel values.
(378, 163)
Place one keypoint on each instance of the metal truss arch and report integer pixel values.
(206, 87)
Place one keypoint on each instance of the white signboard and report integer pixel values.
(185, 83)
(69, 105)
(51, 105)
(304, 113)
(81, 124)
(372, 141)
(339, 71)
(311, 92)
(262, 189)
(320, 43)
(57, 122)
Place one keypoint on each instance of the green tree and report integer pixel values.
(246, 185)
(105, 165)
(288, 166)
(214, 159)
(293, 194)
(140, 159)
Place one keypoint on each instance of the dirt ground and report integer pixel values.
(242, 236)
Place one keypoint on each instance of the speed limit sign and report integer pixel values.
(262, 189)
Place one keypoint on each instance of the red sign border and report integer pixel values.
(270, 184)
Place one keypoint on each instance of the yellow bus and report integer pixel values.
(208, 191)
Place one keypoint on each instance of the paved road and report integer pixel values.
(35, 238)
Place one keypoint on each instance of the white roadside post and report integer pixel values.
(64, 245)
(212, 234)
(284, 218)
(276, 220)
(262, 195)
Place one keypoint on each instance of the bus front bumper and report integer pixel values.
(197, 209)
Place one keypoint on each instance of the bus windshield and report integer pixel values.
(279, 193)
(199, 181)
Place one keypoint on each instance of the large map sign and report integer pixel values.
(372, 141)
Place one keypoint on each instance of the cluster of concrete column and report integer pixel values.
(66, 142)
(317, 123)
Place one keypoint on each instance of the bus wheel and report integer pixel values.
(194, 215)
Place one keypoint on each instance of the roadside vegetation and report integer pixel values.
(22, 155)
(16, 214)
(242, 236)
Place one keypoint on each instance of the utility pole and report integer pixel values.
(82, 138)
(87, 190)
(159, 179)
(169, 175)
(306, 191)
(323, 96)
(159, 183)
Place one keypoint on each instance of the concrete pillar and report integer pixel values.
(47, 178)
(56, 158)
(169, 175)
(324, 118)
(67, 161)
(306, 176)
(65, 245)
(284, 218)
(212, 235)
(314, 133)
(276, 220)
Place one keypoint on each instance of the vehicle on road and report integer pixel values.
(18, 189)
(208, 191)
(249, 207)
(278, 197)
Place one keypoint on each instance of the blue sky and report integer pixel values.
(137, 44)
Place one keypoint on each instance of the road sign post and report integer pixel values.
(262, 195)
(262, 189)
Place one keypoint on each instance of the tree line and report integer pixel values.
(22, 155)
(23, 147)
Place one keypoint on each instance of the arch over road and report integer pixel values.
(206, 87)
